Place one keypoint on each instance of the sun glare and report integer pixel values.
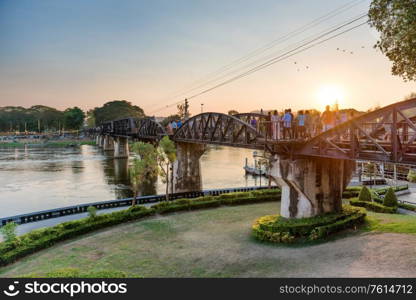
(330, 95)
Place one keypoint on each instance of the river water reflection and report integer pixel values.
(33, 179)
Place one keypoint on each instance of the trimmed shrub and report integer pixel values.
(390, 198)
(373, 206)
(281, 230)
(365, 194)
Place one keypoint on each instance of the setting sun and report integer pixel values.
(330, 95)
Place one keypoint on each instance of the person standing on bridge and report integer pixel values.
(287, 124)
(308, 124)
(328, 118)
(253, 122)
(268, 125)
(300, 129)
(169, 128)
(275, 125)
(174, 126)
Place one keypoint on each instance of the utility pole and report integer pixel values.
(202, 108)
(186, 107)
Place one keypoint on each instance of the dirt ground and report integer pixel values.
(218, 243)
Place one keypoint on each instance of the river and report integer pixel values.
(33, 179)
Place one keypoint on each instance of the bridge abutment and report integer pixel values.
(311, 186)
(187, 167)
(121, 147)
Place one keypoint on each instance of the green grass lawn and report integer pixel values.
(396, 223)
(218, 243)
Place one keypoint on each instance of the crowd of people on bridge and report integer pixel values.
(287, 125)
(302, 125)
(173, 126)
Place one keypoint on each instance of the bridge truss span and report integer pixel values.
(149, 129)
(219, 129)
(387, 134)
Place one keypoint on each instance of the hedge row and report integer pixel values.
(237, 198)
(281, 230)
(407, 206)
(354, 191)
(382, 191)
(46, 237)
(43, 238)
(373, 206)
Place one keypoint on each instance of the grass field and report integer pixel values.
(218, 243)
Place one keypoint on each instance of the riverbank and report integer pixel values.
(218, 243)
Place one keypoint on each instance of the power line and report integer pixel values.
(271, 56)
(276, 59)
(273, 43)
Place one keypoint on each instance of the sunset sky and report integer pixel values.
(86, 52)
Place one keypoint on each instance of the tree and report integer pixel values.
(91, 119)
(396, 22)
(232, 112)
(116, 109)
(144, 168)
(9, 231)
(182, 111)
(92, 212)
(74, 118)
(410, 96)
(166, 157)
(371, 169)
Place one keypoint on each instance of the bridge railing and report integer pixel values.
(82, 208)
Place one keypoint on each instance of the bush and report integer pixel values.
(373, 206)
(411, 176)
(390, 198)
(9, 231)
(365, 194)
(281, 230)
(92, 211)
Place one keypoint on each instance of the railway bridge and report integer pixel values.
(312, 173)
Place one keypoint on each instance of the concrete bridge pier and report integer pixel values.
(121, 147)
(187, 168)
(311, 186)
(108, 143)
(100, 140)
